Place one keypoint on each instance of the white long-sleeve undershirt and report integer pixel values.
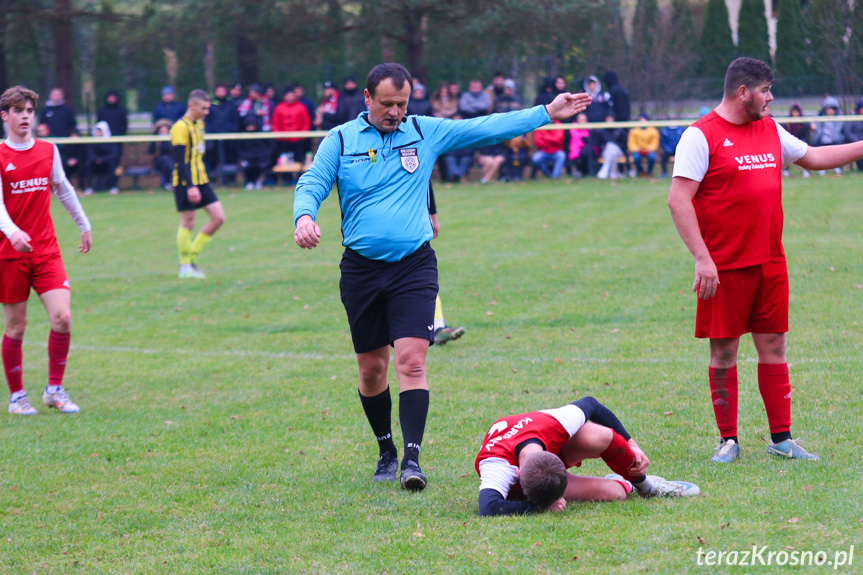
(61, 187)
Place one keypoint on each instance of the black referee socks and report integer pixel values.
(378, 410)
(413, 409)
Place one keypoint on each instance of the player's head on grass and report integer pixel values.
(18, 109)
(199, 105)
(748, 82)
(543, 478)
(388, 90)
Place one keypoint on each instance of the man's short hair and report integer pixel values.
(397, 73)
(543, 478)
(17, 96)
(198, 96)
(747, 72)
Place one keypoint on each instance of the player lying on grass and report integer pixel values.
(523, 461)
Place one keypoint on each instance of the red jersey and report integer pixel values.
(739, 201)
(26, 179)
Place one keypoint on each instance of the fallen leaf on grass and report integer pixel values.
(724, 525)
(575, 557)
(808, 488)
(700, 540)
(489, 313)
(558, 360)
(793, 520)
(668, 412)
(465, 475)
(537, 544)
(605, 294)
(235, 417)
(417, 534)
(789, 547)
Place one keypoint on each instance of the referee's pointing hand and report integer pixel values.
(307, 234)
(567, 105)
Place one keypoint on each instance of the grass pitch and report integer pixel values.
(220, 430)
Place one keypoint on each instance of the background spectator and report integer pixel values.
(579, 151)
(163, 161)
(419, 105)
(490, 159)
(326, 117)
(352, 102)
(454, 90)
(457, 163)
(507, 101)
(475, 102)
(669, 137)
(300, 91)
(609, 146)
(801, 131)
(257, 105)
(59, 117)
(224, 118)
(256, 156)
(549, 156)
(236, 93)
(73, 156)
(829, 133)
(102, 161)
(515, 157)
(116, 115)
(643, 142)
(168, 108)
(546, 93)
(559, 84)
(444, 104)
(618, 96)
(495, 89)
(854, 130)
(292, 116)
(600, 108)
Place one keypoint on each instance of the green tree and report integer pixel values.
(752, 38)
(791, 66)
(827, 26)
(717, 47)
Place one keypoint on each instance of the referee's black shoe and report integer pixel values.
(387, 465)
(413, 479)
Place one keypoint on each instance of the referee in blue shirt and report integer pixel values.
(381, 162)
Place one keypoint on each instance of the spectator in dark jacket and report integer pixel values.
(102, 160)
(829, 133)
(854, 130)
(352, 102)
(619, 97)
(326, 115)
(163, 160)
(507, 101)
(475, 102)
(59, 117)
(115, 114)
(300, 91)
(802, 131)
(73, 156)
(256, 156)
(547, 93)
(419, 104)
(168, 108)
(222, 119)
(600, 108)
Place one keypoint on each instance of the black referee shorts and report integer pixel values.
(208, 196)
(389, 301)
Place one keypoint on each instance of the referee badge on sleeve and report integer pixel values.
(410, 159)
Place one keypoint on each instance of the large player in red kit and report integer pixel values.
(29, 254)
(726, 202)
(523, 461)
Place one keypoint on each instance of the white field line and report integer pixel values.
(471, 358)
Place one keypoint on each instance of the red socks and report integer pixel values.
(58, 349)
(723, 393)
(775, 388)
(619, 456)
(12, 364)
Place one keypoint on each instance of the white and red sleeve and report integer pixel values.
(571, 417)
(7, 226)
(692, 157)
(66, 193)
(792, 148)
(498, 474)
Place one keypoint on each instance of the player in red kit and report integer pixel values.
(523, 461)
(726, 202)
(29, 254)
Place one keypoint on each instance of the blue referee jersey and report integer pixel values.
(383, 179)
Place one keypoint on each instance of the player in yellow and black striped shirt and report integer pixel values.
(192, 188)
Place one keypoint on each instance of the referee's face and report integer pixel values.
(388, 106)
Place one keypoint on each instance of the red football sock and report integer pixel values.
(723, 393)
(619, 456)
(58, 349)
(12, 360)
(775, 387)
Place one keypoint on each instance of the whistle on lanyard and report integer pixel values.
(372, 156)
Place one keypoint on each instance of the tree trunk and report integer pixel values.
(63, 49)
(247, 59)
(415, 47)
(4, 74)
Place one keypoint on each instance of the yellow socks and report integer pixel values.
(201, 240)
(184, 244)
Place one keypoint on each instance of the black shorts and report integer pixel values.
(208, 196)
(389, 301)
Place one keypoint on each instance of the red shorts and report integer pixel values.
(42, 273)
(750, 299)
